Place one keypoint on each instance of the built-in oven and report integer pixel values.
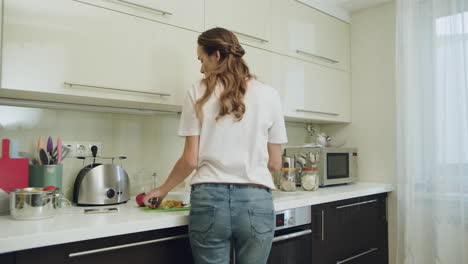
(292, 243)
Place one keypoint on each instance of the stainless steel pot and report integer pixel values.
(33, 203)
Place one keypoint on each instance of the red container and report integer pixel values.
(13, 172)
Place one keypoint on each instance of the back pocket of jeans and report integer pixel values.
(201, 219)
(262, 220)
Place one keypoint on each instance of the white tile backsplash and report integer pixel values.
(150, 143)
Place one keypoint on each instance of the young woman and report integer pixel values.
(233, 126)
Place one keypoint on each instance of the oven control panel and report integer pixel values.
(293, 217)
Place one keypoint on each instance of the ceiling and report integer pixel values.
(356, 5)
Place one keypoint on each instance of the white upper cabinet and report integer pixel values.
(142, 53)
(67, 47)
(182, 13)
(260, 63)
(309, 91)
(314, 92)
(250, 20)
(309, 34)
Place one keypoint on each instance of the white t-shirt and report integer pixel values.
(229, 151)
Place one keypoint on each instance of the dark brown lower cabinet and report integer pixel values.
(351, 231)
(160, 246)
(8, 258)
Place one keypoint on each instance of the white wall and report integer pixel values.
(373, 125)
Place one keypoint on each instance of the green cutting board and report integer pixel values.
(146, 209)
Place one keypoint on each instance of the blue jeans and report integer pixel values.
(221, 213)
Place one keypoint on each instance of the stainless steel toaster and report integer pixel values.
(101, 184)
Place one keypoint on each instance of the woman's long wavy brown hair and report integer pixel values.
(231, 72)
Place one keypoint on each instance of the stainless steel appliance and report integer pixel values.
(292, 218)
(292, 243)
(335, 165)
(33, 203)
(101, 184)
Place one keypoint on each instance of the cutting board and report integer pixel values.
(13, 172)
(146, 209)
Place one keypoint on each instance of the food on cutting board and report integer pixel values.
(167, 204)
(171, 204)
(139, 199)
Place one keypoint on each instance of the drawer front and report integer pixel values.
(164, 246)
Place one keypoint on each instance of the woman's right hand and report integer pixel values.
(154, 198)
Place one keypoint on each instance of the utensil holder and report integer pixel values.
(46, 175)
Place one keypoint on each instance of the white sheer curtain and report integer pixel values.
(432, 131)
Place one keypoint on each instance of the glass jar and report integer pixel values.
(277, 178)
(288, 179)
(309, 179)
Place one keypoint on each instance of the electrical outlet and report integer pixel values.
(71, 146)
(99, 148)
(83, 148)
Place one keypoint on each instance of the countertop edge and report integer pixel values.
(284, 205)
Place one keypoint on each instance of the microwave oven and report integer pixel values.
(335, 165)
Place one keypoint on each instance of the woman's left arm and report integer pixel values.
(182, 169)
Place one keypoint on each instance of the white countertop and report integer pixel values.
(71, 224)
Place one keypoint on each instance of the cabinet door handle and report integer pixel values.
(357, 256)
(355, 204)
(316, 56)
(250, 36)
(316, 112)
(319, 231)
(150, 8)
(292, 235)
(94, 251)
(323, 225)
(115, 89)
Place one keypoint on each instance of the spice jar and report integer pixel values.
(309, 179)
(288, 179)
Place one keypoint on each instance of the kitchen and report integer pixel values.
(70, 50)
